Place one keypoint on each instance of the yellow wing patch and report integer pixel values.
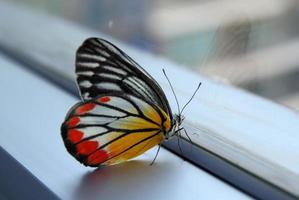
(133, 123)
(132, 146)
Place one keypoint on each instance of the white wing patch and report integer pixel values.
(112, 76)
(88, 64)
(95, 120)
(114, 69)
(85, 84)
(92, 57)
(86, 73)
(90, 131)
(108, 86)
(123, 104)
(85, 95)
(104, 139)
(102, 110)
(102, 52)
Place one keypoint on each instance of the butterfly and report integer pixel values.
(123, 112)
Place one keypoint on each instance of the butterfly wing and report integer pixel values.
(124, 111)
(101, 67)
(112, 128)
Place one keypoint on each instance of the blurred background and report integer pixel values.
(249, 44)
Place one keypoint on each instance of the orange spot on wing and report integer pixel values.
(73, 122)
(85, 108)
(74, 135)
(104, 99)
(87, 147)
(97, 157)
(167, 123)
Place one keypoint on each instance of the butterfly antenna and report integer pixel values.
(176, 99)
(191, 98)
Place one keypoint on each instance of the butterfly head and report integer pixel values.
(177, 121)
(178, 118)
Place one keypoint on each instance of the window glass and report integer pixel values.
(252, 45)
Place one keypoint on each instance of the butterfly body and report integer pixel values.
(123, 112)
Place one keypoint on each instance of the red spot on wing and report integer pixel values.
(87, 147)
(75, 135)
(104, 99)
(85, 108)
(97, 157)
(73, 122)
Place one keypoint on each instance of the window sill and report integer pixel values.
(30, 134)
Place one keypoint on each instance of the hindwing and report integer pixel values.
(112, 128)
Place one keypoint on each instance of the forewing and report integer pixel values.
(101, 68)
(110, 129)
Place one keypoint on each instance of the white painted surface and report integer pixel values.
(32, 110)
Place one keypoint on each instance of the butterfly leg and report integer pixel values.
(179, 143)
(156, 154)
(191, 142)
